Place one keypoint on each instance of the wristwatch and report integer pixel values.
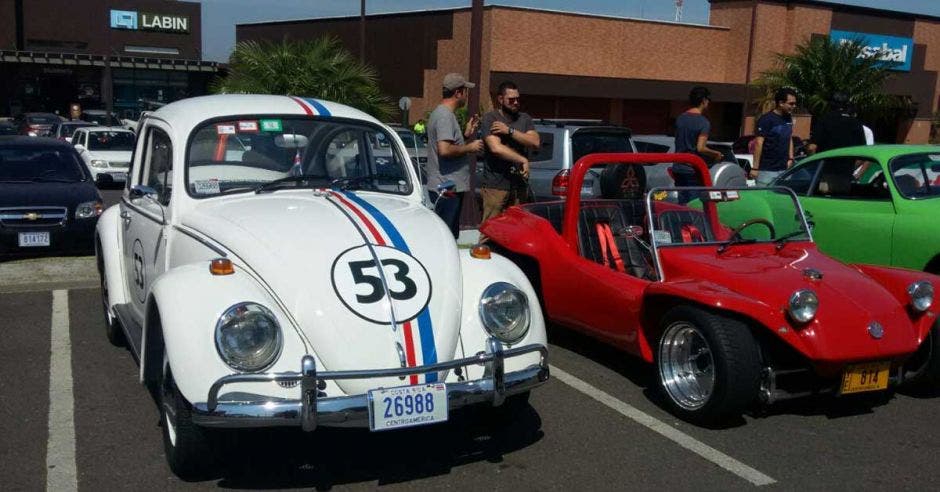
(510, 131)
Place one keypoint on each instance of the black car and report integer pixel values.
(48, 200)
(35, 124)
(8, 128)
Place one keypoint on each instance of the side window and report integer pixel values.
(159, 164)
(545, 152)
(917, 175)
(649, 147)
(799, 179)
(851, 178)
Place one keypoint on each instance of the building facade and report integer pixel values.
(124, 55)
(628, 71)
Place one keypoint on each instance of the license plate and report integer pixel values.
(119, 176)
(872, 376)
(407, 406)
(34, 239)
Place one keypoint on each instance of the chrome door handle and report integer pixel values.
(125, 215)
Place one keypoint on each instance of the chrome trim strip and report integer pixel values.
(352, 411)
(205, 242)
(143, 212)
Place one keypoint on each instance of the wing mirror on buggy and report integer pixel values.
(291, 141)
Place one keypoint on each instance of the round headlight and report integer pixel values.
(504, 311)
(248, 337)
(803, 305)
(921, 293)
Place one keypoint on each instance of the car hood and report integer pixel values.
(315, 251)
(34, 194)
(849, 300)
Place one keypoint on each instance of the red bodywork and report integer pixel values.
(753, 281)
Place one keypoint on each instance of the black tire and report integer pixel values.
(112, 327)
(927, 363)
(187, 446)
(733, 357)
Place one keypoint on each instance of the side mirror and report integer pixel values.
(139, 191)
(79, 147)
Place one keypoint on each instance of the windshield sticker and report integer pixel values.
(207, 186)
(225, 129)
(934, 157)
(661, 236)
(660, 195)
(733, 195)
(714, 195)
(368, 292)
(271, 126)
(248, 126)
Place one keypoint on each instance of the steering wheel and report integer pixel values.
(757, 220)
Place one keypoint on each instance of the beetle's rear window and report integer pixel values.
(238, 155)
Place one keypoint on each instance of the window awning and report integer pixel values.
(80, 59)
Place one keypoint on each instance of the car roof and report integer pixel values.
(33, 141)
(76, 122)
(188, 113)
(881, 152)
(106, 129)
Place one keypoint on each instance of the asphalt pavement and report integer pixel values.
(90, 425)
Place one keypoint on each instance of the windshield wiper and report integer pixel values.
(355, 182)
(277, 183)
(734, 240)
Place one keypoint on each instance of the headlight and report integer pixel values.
(99, 163)
(88, 210)
(921, 293)
(504, 311)
(803, 305)
(248, 337)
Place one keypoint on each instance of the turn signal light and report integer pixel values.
(221, 266)
(481, 252)
(560, 183)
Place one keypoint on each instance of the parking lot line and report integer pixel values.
(60, 450)
(665, 430)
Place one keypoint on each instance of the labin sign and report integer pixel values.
(130, 19)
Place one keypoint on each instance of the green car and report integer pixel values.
(859, 216)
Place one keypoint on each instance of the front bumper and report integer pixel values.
(312, 410)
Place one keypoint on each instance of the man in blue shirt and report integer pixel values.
(692, 129)
(773, 146)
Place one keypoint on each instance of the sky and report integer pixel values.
(220, 16)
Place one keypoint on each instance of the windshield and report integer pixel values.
(410, 141)
(101, 119)
(594, 142)
(31, 163)
(723, 216)
(917, 175)
(241, 155)
(42, 119)
(111, 141)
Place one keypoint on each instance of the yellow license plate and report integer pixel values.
(872, 376)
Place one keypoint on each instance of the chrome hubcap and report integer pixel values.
(686, 366)
(168, 404)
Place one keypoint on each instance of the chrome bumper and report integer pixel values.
(312, 410)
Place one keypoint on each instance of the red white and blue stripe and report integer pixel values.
(311, 106)
(418, 334)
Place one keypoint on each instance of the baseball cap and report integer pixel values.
(454, 81)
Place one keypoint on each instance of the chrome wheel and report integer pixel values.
(168, 402)
(686, 365)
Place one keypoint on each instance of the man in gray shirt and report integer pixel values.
(448, 155)
(511, 136)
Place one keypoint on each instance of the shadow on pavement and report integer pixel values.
(288, 458)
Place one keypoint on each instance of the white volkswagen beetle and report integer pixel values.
(272, 264)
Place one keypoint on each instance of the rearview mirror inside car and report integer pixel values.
(291, 141)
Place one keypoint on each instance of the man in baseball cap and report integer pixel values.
(450, 150)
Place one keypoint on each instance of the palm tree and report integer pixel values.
(319, 68)
(820, 67)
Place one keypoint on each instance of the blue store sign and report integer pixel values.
(894, 51)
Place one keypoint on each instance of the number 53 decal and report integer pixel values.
(403, 283)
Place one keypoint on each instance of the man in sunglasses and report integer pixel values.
(509, 135)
